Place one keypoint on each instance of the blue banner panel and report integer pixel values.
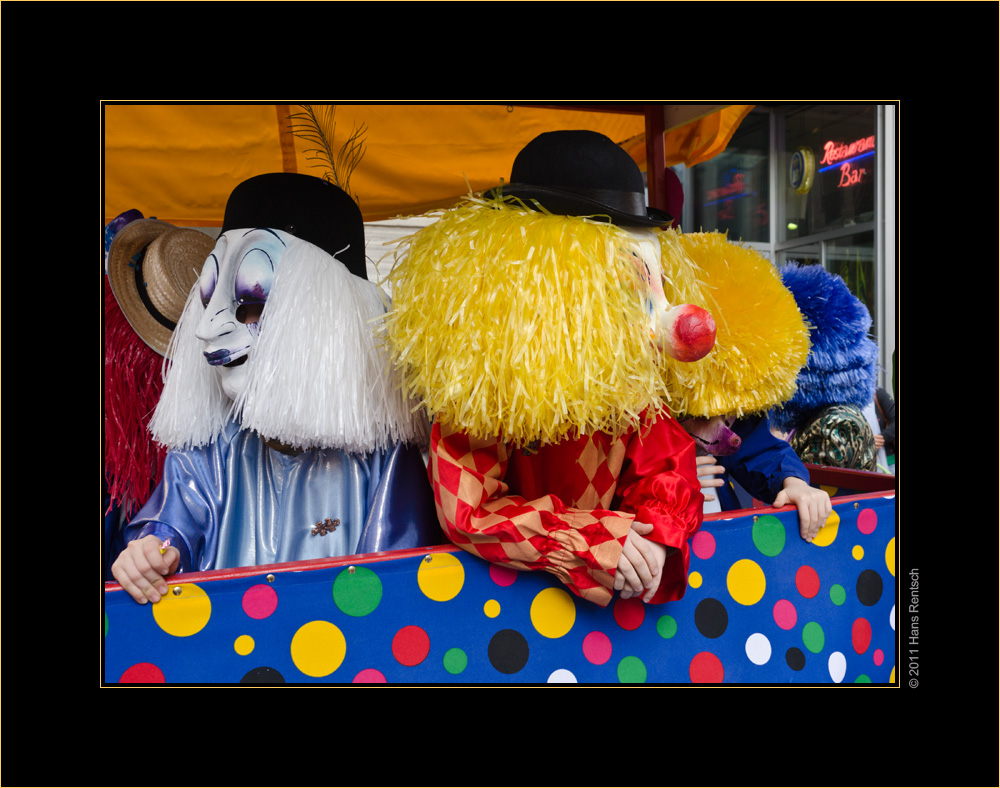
(762, 607)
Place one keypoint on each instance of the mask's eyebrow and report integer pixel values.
(266, 230)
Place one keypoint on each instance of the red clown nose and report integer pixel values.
(688, 332)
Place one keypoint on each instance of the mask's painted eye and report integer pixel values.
(253, 283)
(209, 279)
(249, 313)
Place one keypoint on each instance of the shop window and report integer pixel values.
(827, 154)
(731, 191)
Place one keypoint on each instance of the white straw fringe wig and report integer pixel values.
(317, 377)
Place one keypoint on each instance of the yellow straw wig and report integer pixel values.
(761, 342)
(523, 324)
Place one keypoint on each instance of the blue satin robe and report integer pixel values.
(237, 502)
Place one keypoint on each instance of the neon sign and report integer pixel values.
(735, 186)
(836, 152)
(845, 157)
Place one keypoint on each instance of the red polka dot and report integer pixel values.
(784, 614)
(369, 676)
(861, 635)
(867, 520)
(597, 648)
(629, 613)
(411, 645)
(502, 575)
(706, 668)
(143, 673)
(807, 581)
(260, 601)
(703, 544)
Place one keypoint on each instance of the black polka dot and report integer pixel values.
(508, 651)
(869, 587)
(795, 658)
(263, 675)
(711, 618)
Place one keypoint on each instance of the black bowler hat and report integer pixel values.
(581, 173)
(305, 206)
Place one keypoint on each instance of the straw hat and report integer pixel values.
(152, 267)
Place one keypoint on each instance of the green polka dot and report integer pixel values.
(357, 591)
(105, 625)
(769, 535)
(862, 679)
(666, 626)
(631, 671)
(837, 594)
(455, 661)
(812, 637)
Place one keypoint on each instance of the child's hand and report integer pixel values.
(813, 504)
(141, 568)
(640, 566)
(707, 469)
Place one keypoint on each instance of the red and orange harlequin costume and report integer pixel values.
(531, 324)
(567, 508)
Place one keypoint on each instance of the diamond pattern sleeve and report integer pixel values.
(486, 499)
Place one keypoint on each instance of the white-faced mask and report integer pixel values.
(683, 331)
(235, 282)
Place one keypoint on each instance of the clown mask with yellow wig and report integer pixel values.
(540, 323)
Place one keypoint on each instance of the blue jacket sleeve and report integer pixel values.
(763, 462)
(186, 506)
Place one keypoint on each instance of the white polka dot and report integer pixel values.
(562, 676)
(892, 618)
(758, 648)
(837, 666)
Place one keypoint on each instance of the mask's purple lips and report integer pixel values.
(225, 357)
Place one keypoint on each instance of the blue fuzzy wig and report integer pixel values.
(842, 367)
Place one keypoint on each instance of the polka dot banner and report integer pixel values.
(184, 611)
(762, 607)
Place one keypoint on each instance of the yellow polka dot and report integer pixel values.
(890, 556)
(694, 580)
(318, 648)
(441, 576)
(858, 552)
(553, 612)
(746, 582)
(828, 532)
(244, 645)
(831, 491)
(491, 608)
(184, 611)
(892, 676)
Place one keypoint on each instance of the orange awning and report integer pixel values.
(179, 162)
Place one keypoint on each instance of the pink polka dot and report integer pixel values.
(867, 520)
(706, 668)
(260, 601)
(784, 614)
(411, 645)
(502, 575)
(861, 635)
(597, 648)
(369, 676)
(807, 581)
(703, 545)
(629, 613)
(878, 656)
(143, 673)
